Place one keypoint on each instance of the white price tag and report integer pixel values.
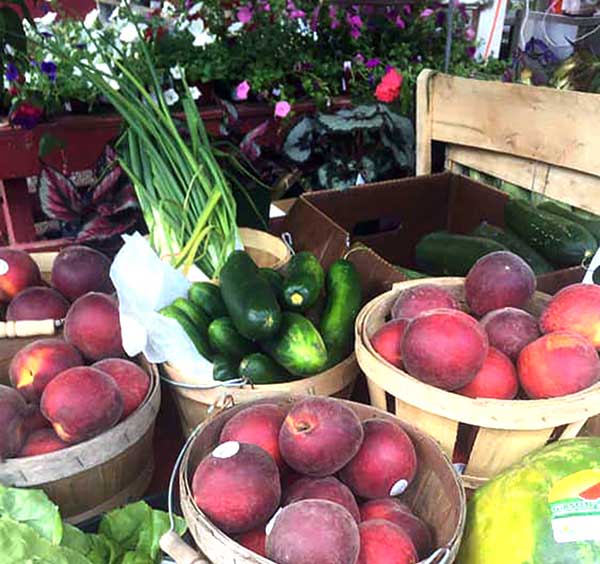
(594, 264)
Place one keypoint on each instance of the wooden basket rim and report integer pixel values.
(64, 463)
(188, 502)
(267, 242)
(491, 413)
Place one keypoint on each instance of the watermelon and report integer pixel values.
(543, 510)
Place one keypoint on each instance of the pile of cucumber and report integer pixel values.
(266, 327)
(548, 237)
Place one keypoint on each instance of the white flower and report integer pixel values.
(182, 24)
(90, 19)
(77, 71)
(105, 70)
(167, 9)
(177, 72)
(68, 107)
(201, 35)
(9, 50)
(195, 92)
(5, 83)
(27, 76)
(196, 27)
(235, 28)
(46, 20)
(131, 32)
(171, 97)
(195, 8)
(48, 58)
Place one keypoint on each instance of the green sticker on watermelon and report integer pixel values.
(575, 507)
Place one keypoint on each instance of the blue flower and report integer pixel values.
(49, 69)
(12, 72)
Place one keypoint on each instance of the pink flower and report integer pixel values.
(282, 109)
(241, 90)
(355, 21)
(469, 34)
(400, 22)
(407, 9)
(389, 87)
(355, 33)
(426, 13)
(244, 14)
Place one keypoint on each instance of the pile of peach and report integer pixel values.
(314, 486)
(65, 391)
(499, 349)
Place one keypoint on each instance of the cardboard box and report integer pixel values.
(391, 217)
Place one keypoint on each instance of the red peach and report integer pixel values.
(510, 329)
(37, 302)
(133, 382)
(237, 486)
(13, 413)
(92, 325)
(387, 340)
(330, 489)
(496, 379)
(419, 299)
(254, 540)
(319, 436)
(42, 441)
(558, 364)
(393, 510)
(382, 542)
(313, 531)
(258, 425)
(35, 420)
(35, 365)
(17, 272)
(385, 464)
(81, 403)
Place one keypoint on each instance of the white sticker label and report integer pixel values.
(271, 523)
(3, 267)
(576, 529)
(399, 487)
(226, 450)
(589, 271)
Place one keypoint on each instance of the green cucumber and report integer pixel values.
(304, 281)
(344, 297)
(258, 368)
(196, 314)
(275, 280)
(447, 254)
(225, 369)
(198, 338)
(298, 347)
(208, 296)
(249, 299)
(561, 241)
(410, 274)
(507, 238)
(226, 341)
(589, 221)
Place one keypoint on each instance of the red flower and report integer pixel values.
(389, 87)
(150, 34)
(26, 115)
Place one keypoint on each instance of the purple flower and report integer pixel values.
(371, 79)
(471, 52)
(244, 14)
(12, 72)
(294, 12)
(314, 20)
(400, 23)
(354, 20)
(355, 33)
(440, 18)
(470, 34)
(407, 9)
(372, 63)
(241, 90)
(26, 115)
(282, 109)
(359, 58)
(49, 69)
(265, 6)
(388, 68)
(426, 13)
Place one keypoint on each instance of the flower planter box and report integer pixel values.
(84, 138)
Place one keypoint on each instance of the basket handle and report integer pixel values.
(173, 545)
(12, 329)
(440, 556)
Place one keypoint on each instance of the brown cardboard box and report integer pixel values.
(391, 217)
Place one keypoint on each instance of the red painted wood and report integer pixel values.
(17, 211)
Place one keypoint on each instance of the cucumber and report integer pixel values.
(591, 223)
(410, 274)
(198, 338)
(196, 314)
(249, 299)
(226, 341)
(298, 347)
(507, 238)
(561, 241)
(208, 296)
(275, 280)
(258, 368)
(225, 369)
(343, 303)
(447, 254)
(304, 281)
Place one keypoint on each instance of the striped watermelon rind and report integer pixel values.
(509, 519)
